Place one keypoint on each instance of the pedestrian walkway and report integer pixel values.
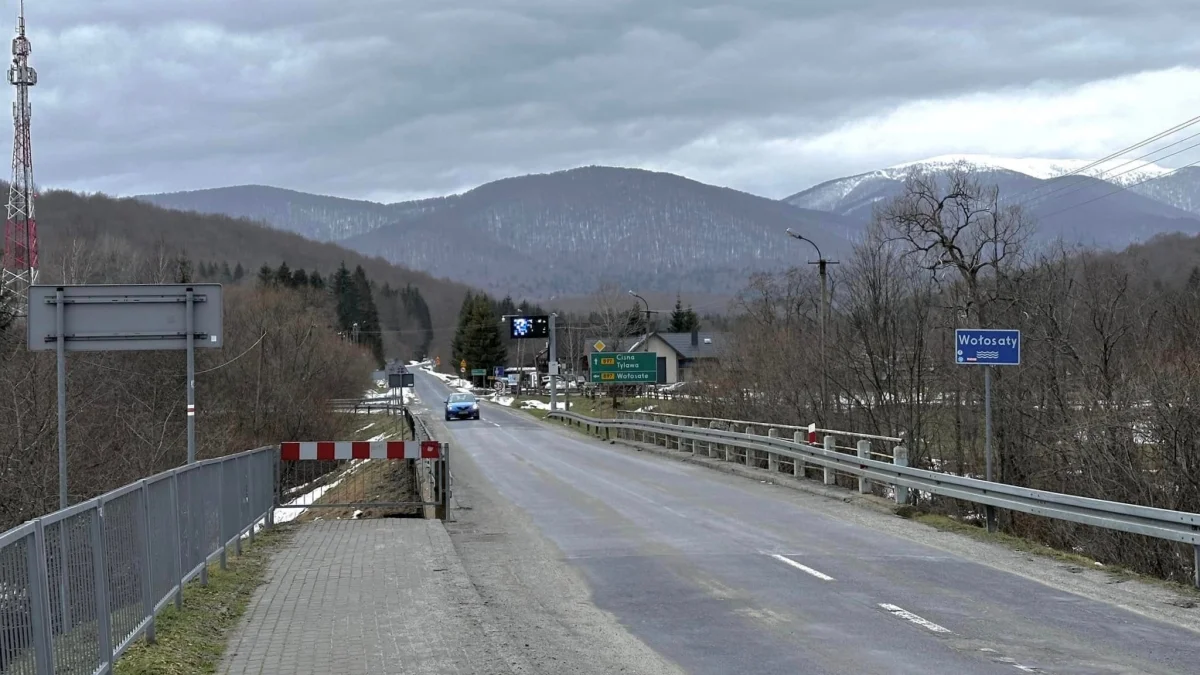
(364, 597)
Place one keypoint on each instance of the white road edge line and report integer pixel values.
(909, 616)
(803, 568)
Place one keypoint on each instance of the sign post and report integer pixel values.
(987, 347)
(123, 317)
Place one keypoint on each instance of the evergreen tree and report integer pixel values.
(683, 320)
(226, 273)
(316, 281)
(239, 272)
(345, 298)
(299, 279)
(183, 270)
(283, 275)
(478, 340)
(367, 314)
(266, 275)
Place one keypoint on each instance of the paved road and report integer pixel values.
(719, 574)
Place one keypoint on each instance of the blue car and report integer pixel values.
(462, 406)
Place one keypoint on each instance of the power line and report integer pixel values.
(1126, 187)
(1079, 185)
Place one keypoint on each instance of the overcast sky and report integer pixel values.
(390, 99)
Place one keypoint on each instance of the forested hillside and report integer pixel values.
(85, 238)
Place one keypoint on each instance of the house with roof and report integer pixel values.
(679, 354)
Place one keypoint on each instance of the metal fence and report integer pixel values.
(773, 451)
(78, 586)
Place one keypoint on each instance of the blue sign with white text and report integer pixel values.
(987, 347)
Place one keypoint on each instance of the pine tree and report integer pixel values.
(478, 340)
(226, 273)
(183, 270)
(683, 320)
(283, 275)
(299, 279)
(316, 281)
(367, 314)
(266, 275)
(345, 298)
(239, 272)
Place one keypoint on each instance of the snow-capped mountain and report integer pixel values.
(1123, 172)
(1080, 200)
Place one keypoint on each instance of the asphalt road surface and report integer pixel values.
(607, 558)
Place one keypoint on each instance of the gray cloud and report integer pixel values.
(389, 97)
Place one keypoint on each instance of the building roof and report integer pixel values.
(708, 345)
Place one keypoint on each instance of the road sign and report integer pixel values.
(462, 365)
(987, 347)
(599, 345)
(498, 371)
(462, 371)
(624, 368)
(478, 372)
(400, 380)
(125, 317)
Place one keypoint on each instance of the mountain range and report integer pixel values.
(548, 235)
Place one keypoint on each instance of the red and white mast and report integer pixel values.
(20, 261)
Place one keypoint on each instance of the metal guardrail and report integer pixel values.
(787, 427)
(1177, 526)
(438, 476)
(78, 586)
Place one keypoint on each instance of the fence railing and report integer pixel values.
(78, 586)
(437, 478)
(774, 451)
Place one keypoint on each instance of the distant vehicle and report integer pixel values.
(462, 406)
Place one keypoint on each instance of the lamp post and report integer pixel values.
(822, 269)
(647, 311)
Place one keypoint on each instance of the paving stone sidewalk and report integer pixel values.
(364, 597)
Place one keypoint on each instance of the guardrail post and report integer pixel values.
(797, 465)
(1196, 560)
(691, 444)
(864, 452)
(748, 452)
(900, 458)
(772, 458)
(830, 446)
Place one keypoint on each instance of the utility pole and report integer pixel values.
(822, 269)
(552, 366)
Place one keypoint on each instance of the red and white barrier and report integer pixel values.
(812, 433)
(334, 450)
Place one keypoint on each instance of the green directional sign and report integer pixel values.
(624, 368)
(478, 372)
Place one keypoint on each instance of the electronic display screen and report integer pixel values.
(527, 327)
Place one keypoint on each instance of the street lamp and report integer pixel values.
(822, 265)
(647, 310)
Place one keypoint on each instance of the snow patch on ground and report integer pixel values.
(533, 404)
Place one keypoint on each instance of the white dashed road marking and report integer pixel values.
(803, 568)
(909, 616)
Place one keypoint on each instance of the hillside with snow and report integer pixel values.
(1109, 204)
